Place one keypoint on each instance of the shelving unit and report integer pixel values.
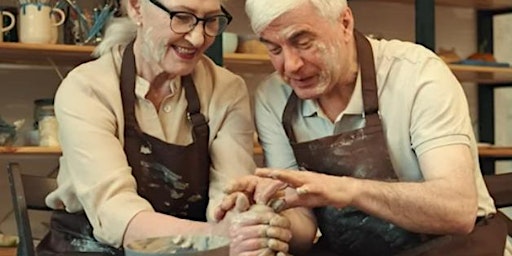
(57, 150)
(30, 150)
(487, 78)
(39, 54)
(476, 4)
(484, 151)
(71, 55)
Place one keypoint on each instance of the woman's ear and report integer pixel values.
(133, 10)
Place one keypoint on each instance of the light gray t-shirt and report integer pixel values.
(422, 106)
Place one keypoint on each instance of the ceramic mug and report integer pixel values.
(38, 25)
(12, 18)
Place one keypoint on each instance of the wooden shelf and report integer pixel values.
(7, 251)
(486, 75)
(260, 63)
(30, 150)
(41, 54)
(71, 55)
(476, 4)
(57, 150)
(496, 152)
(483, 151)
(248, 63)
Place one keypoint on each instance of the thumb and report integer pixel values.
(242, 203)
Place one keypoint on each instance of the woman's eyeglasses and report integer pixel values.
(184, 22)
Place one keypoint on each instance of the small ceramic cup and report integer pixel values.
(37, 23)
(8, 27)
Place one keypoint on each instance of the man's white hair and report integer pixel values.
(262, 12)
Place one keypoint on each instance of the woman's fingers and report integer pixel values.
(259, 252)
(269, 189)
(257, 244)
(246, 184)
(261, 231)
(260, 228)
(228, 202)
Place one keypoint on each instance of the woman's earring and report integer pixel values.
(138, 23)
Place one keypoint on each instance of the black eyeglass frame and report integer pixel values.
(204, 20)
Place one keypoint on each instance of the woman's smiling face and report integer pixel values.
(175, 53)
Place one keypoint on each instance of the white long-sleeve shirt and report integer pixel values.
(94, 174)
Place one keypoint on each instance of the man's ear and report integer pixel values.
(347, 21)
(133, 9)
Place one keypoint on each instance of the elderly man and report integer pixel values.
(380, 132)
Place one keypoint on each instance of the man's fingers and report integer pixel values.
(290, 177)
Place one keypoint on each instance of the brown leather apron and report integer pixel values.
(361, 153)
(173, 178)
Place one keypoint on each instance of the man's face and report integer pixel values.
(176, 53)
(309, 51)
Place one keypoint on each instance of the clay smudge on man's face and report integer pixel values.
(324, 78)
(321, 55)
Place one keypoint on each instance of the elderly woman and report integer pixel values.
(151, 131)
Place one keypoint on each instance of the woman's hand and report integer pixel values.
(256, 230)
(259, 231)
(259, 190)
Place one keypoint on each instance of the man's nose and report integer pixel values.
(292, 61)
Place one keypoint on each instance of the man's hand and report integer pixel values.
(310, 189)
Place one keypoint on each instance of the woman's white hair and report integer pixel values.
(119, 31)
(262, 12)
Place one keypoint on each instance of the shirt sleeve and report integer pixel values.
(96, 163)
(439, 114)
(270, 100)
(231, 148)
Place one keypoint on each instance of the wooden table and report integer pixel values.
(7, 251)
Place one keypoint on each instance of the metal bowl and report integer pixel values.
(179, 246)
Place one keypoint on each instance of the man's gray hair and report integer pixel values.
(262, 12)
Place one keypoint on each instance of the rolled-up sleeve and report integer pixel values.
(98, 172)
(231, 147)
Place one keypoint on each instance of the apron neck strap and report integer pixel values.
(369, 87)
(368, 78)
(127, 83)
